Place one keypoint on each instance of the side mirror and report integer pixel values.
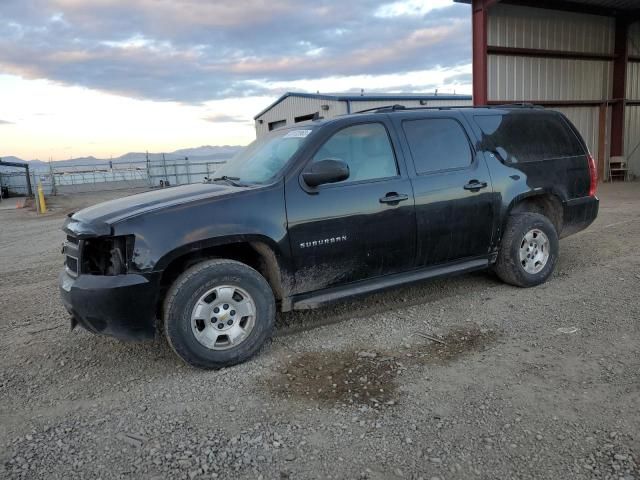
(325, 171)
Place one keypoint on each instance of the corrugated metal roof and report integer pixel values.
(365, 97)
(612, 5)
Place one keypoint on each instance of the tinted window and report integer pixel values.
(527, 137)
(437, 144)
(365, 148)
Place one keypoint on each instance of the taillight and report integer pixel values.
(593, 174)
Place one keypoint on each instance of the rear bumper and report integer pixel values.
(579, 214)
(122, 306)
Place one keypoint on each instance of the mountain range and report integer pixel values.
(202, 153)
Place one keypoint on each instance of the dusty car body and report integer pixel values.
(360, 203)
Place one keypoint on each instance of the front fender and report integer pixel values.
(166, 234)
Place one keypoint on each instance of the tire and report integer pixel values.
(189, 314)
(523, 271)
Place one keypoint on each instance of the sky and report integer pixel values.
(105, 77)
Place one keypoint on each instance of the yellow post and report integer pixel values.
(42, 204)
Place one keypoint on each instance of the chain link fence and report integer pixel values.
(66, 177)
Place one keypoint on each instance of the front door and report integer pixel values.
(359, 228)
(452, 187)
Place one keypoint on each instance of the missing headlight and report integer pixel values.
(107, 255)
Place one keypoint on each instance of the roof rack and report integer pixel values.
(395, 108)
(384, 108)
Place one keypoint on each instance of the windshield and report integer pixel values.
(263, 159)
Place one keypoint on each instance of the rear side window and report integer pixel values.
(519, 137)
(437, 144)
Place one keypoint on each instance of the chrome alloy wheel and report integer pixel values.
(534, 251)
(223, 317)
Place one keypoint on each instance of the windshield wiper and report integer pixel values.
(231, 180)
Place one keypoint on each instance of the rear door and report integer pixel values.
(361, 227)
(452, 188)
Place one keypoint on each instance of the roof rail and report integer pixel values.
(384, 108)
(395, 108)
(515, 105)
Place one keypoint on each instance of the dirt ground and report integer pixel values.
(535, 383)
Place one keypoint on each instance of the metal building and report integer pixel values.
(293, 107)
(581, 57)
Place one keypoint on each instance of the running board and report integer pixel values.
(308, 301)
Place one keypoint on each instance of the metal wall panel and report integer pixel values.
(632, 138)
(293, 106)
(534, 78)
(586, 121)
(632, 113)
(633, 81)
(634, 39)
(525, 27)
(358, 105)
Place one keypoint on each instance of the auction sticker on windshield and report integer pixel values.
(297, 134)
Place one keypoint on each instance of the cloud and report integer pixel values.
(222, 118)
(191, 51)
(409, 7)
(6, 122)
(458, 79)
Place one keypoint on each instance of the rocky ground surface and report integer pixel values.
(540, 383)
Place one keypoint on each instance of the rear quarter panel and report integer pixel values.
(567, 178)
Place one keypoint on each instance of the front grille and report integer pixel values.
(72, 249)
(72, 264)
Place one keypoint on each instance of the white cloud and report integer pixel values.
(410, 7)
(419, 81)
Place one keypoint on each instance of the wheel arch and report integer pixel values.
(256, 251)
(547, 203)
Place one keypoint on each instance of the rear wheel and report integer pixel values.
(529, 250)
(218, 313)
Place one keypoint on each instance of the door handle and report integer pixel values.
(475, 185)
(393, 198)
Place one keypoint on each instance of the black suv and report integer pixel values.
(327, 210)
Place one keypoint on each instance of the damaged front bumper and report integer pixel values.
(122, 306)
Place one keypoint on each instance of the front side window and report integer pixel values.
(437, 144)
(365, 148)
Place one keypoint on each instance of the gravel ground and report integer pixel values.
(348, 391)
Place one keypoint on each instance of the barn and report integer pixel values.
(293, 107)
(581, 57)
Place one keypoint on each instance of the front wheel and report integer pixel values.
(529, 250)
(218, 313)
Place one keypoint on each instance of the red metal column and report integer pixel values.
(479, 33)
(619, 87)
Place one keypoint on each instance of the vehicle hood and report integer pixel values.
(112, 211)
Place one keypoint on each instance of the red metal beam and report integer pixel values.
(534, 52)
(569, 6)
(479, 10)
(619, 87)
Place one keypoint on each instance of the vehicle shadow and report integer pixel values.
(423, 293)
